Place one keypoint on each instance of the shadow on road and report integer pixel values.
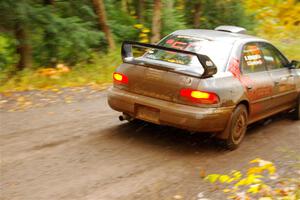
(141, 133)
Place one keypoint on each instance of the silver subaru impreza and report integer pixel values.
(217, 81)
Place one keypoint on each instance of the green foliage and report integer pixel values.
(64, 36)
(7, 56)
(68, 32)
(67, 40)
(56, 35)
(229, 12)
(172, 20)
(121, 22)
(15, 11)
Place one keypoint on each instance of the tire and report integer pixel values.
(236, 128)
(296, 112)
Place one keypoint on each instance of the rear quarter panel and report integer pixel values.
(228, 88)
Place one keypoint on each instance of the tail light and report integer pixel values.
(199, 96)
(120, 78)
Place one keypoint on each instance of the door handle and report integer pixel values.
(249, 87)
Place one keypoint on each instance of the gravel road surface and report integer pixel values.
(81, 150)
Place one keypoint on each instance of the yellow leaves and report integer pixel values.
(146, 30)
(236, 174)
(144, 33)
(47, 72)
(251, 184)
(265, 198)
(262, 166)
(249, 180)
(277, 18)
(138, 26)
(21, 103)
(255, 170)
(212, 177)
(226, 190)
(254, 189)
(144, 40)
(61, 68)
(54, 72)
(224, 178)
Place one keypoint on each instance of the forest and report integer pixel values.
(59, 43)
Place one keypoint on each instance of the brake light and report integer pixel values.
(120, 78)
(199, 96)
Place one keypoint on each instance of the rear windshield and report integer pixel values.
(217, 51)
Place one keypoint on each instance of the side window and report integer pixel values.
(272, 58)
(252, 59)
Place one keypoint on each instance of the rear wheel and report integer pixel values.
(236, 128)
(296, 112)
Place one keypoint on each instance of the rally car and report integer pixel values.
(217, 81)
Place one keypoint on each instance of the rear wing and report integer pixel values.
(208, 65)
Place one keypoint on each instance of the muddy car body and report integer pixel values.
(215, 81)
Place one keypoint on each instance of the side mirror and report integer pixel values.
(294, 64)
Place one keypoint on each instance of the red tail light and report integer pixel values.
(120, 78)
(199, 96)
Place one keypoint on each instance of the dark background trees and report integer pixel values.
(42, 33)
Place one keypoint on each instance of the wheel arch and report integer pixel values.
(245, 103)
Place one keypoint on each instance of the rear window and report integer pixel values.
(217, 51)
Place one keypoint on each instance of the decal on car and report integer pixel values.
(252, 56)
(234, 68)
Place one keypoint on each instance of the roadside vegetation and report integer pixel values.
(261, 181)
(48, 44)
(97, 72)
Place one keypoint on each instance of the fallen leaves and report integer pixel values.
(54, 73)
(202, 173)
(22, 101)
(260, 182)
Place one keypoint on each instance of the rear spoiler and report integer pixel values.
(208, 65)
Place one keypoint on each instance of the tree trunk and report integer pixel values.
(156, 21)
(197, 12)
(48, 42)
(23, 47)
(100, 11)
(141, 8)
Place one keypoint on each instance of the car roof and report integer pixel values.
(216, 35)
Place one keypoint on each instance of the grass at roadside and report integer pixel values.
(97, 72)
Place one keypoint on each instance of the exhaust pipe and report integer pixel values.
(125, 117)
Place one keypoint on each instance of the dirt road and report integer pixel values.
(82, 151)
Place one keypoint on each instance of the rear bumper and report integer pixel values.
(173, 114)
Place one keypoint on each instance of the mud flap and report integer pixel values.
(223, 135)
